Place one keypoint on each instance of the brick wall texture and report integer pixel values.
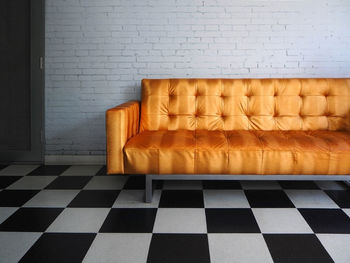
(97, 51)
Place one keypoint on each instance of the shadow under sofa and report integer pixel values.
(232, 129)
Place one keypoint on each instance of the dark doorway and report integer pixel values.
(21, 80)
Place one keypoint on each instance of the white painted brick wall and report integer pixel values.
(97, 51)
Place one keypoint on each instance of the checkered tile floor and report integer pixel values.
(77, 213)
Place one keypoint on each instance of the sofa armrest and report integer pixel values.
(122, 123)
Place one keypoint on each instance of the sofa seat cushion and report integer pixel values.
(238, 152)
(160, 152)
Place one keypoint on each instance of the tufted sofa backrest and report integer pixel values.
(245, 104)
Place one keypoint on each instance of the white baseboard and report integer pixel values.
(75, 159)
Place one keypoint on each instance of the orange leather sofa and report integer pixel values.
(242, 128)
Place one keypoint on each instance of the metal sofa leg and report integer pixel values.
(148, 189)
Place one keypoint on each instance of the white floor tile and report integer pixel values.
(180, 220)
(18, 169)
(32, 182)
(182, 185)
(231, 248)
(225, 199)
(331, 185)
(5, 212)
(281, 220)
(337, 246)
(260, 185)
(79, 220)
(52, 198)
(118, 247)
(13, 245)
(347, 211)
(81, 170)
(310, 199)
(135, 199)
(106, 183)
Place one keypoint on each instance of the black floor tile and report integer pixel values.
(6, 181)
(59, 247)
(181, 199)
(268, 199)
(327, 221)
(341, 197)
(2, 166)
(128, 220)
(102, 171)
(223, 220)
(221, 184)
(49, 170)
(135, 182)
(298, 185)
(291, 248)
(138, 183)
(174, 248)
(16, 197)
(30, 219)
(69, 182)
(95, 198)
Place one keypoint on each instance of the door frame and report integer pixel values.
(37, 85)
